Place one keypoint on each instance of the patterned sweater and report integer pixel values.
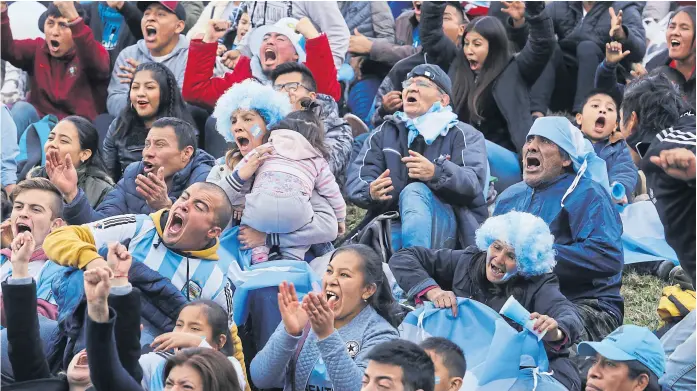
(344, 353)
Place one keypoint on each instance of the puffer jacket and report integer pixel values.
(124, 199)
(459, 180)
(417, 269)
(338, 136)
(94, 182)
(372, 18)
(160, 301)
(572, 27)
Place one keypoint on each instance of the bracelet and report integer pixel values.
(74, 22)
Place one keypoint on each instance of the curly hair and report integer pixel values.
(529, 235)
(271, 105)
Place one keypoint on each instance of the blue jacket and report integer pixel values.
(124, 199)
(459, 180)
(587, 236)
(620, 167)
(344, 353)
(160, 305)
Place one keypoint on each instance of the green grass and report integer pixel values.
(641, 292)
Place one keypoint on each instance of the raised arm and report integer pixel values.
(18, 52)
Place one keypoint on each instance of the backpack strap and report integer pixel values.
(294, 361)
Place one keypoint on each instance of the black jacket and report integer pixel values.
(688, 86)
(132, 17)
(572, 28)
(674, 198)
(511, 89)
(417, 268)
(459, 180)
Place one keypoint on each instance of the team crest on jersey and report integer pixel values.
(352, 348)
(114, 221)
(72, 70)
(194, 290)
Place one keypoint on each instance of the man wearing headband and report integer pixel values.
(565, 184)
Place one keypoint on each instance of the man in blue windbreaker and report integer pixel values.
(565, 184)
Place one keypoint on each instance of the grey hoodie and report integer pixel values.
(175, 61)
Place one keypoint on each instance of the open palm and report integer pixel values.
(61, 172)
(294, 317)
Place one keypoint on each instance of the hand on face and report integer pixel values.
(175, 340)
(22, 248)
(154, 189)
(320, 313)
(419, 167)
(62, 173)
(293, 315)
(381, 187)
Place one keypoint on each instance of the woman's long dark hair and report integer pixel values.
(382, 300)
(484, 289)
(88, 137)
(171, 101)
(216, 371)
(469, 89)
(217, 318)
(307, 122)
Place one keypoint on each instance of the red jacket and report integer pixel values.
(201, 88)
(73, 84)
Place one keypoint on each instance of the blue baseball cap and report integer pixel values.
(629, 343)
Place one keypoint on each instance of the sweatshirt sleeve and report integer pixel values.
(327, 187)
(433, 40)
(109, 153)
(19, 52)
(79, 211)
(327, 16)
(76, 245)
(319, 61)
(200, 85)
(132, 16)
(269, 366)
(417, 268)
(117, 100)
(390, 53)
(90, 52)
(623, 170)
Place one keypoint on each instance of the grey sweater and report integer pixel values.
(366, 330)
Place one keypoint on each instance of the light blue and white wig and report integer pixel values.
(527, 234)
(271, 105)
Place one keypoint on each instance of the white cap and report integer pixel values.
(285, 26)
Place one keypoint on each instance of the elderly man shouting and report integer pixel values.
(426, 165)
(565, 184)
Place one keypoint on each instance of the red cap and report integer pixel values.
(172, 6)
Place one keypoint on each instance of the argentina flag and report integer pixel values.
(499, 358)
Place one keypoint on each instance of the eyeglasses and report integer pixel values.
(290, 87)
(419, 83)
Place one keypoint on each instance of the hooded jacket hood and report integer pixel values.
(293, 145)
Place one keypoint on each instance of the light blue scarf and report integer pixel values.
(436, 122)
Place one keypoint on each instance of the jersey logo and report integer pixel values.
(352, 347)
(115, 221)
(191, 290)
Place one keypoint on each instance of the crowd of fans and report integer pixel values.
(157, 154)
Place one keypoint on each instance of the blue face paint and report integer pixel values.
(255, 131)
(437, 380)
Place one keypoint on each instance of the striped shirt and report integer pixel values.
(43, 272)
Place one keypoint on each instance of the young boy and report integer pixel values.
(449, 362)
(598, 120)
(37, 210)
(69, 69)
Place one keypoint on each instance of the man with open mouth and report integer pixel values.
(563, 184)
(426, 165)
(68, 69)
(179, 242)
(162, 26)
(171, 162)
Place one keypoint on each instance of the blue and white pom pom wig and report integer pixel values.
(249, 95)
(528, 234)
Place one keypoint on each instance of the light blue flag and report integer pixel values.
(643, 239)
(494, 350)
(271, 274)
